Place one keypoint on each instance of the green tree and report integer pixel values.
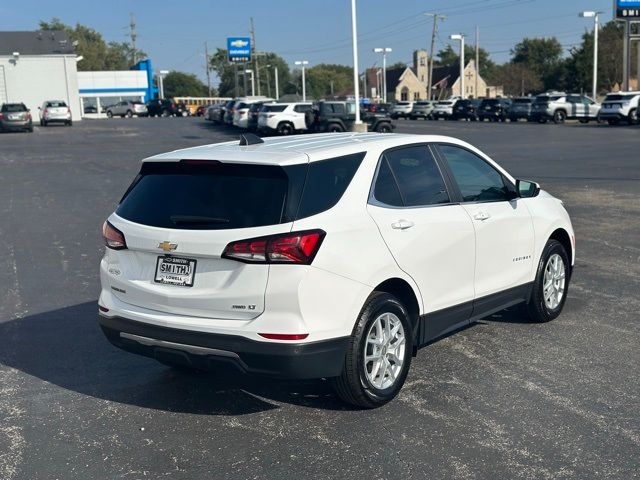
(97, 55)
(448, 57)
(517, 79)
(180, 84)
(397, 65)
(268, 62)
(541, 55)
(327, 80)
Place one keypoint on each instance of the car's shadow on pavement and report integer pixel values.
(65, 347)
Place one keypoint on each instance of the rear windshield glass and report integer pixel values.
(215, 196)
(14, 107)
(619, 97)
(545, 99)
(55, 104)
(274, 108)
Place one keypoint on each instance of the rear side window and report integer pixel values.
(326, 182)
(410, 177)
(302, 108)
(55, 104)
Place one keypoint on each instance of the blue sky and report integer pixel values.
(173, 33)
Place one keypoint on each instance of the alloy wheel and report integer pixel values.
(553, 285)
(384, 351)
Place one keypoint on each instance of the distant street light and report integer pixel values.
(253, 83)
(384, 52)
(161, 82)
(594, 15)
(304, 83)
(460, 37)
(275, 74)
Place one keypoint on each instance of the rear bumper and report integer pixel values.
(211, 351)
(22, 125)
(612, 115)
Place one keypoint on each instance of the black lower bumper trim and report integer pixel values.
(209, 351)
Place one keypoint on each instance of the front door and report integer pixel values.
(502, 223)
(430, 238)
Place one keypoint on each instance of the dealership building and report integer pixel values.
(42, 65)
(38, 66)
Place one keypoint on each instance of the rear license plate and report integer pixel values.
(175, 271)
(14, 117)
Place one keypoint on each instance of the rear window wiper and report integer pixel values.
(196, 219)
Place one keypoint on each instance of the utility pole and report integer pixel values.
(436, 17)
(477, 61)
(255, 55)
(275, 74)
(207, 67)
(133, 35)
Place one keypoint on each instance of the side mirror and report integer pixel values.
(527, 189)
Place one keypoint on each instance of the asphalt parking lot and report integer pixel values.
(503, 399)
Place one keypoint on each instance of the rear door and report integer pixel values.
(177, 219)
(502, 223)
(430, 238)
(576, 108)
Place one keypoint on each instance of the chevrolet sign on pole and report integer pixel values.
(627, 9)
(239, 49)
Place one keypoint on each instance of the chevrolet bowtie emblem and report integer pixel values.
(167, 246)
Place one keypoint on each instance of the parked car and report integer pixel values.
(166, 108)
(259, 256)
(494, 109)
(254, 112)
(241, 110)
(559, 106)
(127, 108)
(201, 110)
(15, 116)
(283, 118)
(620, 106)
(337, 116)
(401, 110)
(443, 109)
(90, 109)
(521, 108)
(55, 111)
(422, 109)
(466, 109)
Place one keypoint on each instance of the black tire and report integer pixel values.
(285, 128)
(335, 128)
(584, 120)
(109, 114)
(30, 128)
(129, 114)
(352, 385)
(164, 113)
(537, 308)
(633, 117)
(41, 122)
(559, 116)
(613, 121)
(384, 128)
(542, 120)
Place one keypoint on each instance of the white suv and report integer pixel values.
(325, 256)
(283, 118)
(241, 109)
(620, 106)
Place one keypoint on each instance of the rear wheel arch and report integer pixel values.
(403, 291)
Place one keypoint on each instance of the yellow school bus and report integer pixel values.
(193, 103)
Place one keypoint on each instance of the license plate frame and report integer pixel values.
(189, 278)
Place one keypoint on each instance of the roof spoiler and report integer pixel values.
(249, 139)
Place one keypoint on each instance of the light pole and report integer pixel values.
(253, 83)
(275, 74)
(304, 83)
(384, 52)
(161, 81)
(460, 36)
(594, 15)
(356, 78)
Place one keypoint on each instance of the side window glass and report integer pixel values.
(386, 188)
(338, 108)
(418, 176)
(478, 181)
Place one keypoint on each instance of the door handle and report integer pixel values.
(402, 225)
(482, 216)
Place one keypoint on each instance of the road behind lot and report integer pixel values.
(501, 399)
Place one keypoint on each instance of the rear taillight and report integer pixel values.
(68, 110)
(113, 238)
(1, 116)
(28, 115)
(292, 248)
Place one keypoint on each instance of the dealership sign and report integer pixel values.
(627, 9)
(239, 49)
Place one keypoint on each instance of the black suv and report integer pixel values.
(494, 109)
(340, 117)
(466, 110)
(166, 108)
(521, 108)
